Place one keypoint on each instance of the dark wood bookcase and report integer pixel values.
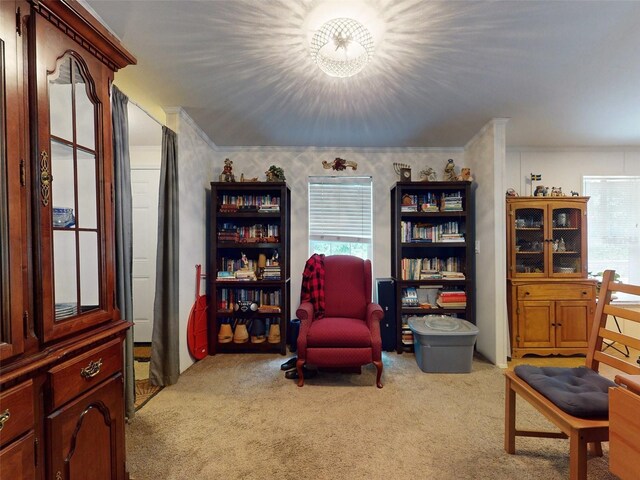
(243, 220)
(432, 231)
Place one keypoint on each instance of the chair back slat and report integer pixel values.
(621, 312)
(621, 338)
(625, 288)
(617, 363)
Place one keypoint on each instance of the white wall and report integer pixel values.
(566, 167)
(195, 160)
(485, 153)
(300, 163)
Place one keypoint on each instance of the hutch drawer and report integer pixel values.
(555, 291)
(70, 379)
(16, 411)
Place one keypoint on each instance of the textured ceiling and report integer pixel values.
(565, 73)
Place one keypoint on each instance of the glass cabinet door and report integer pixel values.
(568, 241)
(11, 182)
(71, 179)
(528, 236)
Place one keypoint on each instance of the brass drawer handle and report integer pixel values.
(91, 370)
(4, 417)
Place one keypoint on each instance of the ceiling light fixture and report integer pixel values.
(342, 47)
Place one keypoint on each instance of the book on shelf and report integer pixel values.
(452, 304)
(452, 275)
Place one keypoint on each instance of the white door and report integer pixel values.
(144, 192)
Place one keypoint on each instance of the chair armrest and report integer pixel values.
(374, 314)
(305, 312)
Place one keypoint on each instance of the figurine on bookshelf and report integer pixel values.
(465, 175)
(244, 261)
(227, 172)
(275, 174)
(274, 258)
(428, 175)
(450, 171)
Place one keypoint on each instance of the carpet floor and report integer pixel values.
(237, 417)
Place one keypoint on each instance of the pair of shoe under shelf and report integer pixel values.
(257, 332)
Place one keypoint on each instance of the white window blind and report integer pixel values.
(340, 212)
(614, 225)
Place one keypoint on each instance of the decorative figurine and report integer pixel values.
(465, 174)
(450, 171)
(242, 179)
(574, 194)
(403, 170)
(541, 191)
(227, 172)
(275, 174)
(428, 175)
(340, 164)
(557, 192)
(511, 192)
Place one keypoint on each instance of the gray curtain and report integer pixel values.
(124, 235)
(165, 358)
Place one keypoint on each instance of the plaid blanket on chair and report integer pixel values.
(313, 284)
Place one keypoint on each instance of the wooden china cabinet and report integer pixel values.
(61, 335)
(551, 302)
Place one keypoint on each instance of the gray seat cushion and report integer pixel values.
(581, 392)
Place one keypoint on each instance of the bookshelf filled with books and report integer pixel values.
(432, 259)
(249, 273)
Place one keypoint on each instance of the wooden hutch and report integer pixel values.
(550, 300)
(61, 336)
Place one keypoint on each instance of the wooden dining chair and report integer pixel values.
(575, 400)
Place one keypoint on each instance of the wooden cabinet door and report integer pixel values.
(527, 248)
(12, 158)
(535, 324)
(567, 239)
(72, 174)
(86, 437)
(573, 320)
(18, 458)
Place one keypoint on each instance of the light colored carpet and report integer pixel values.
(237, 417)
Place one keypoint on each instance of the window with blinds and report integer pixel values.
(340, 216)
(614, 225)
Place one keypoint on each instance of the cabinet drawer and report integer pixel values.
(16, 411)
(554, 291)
(71, 378)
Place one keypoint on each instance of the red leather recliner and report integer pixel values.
(349, 333)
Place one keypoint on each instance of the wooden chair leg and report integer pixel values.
(299, 365)
(509, 418)
(577, 456)
(596, 449)
(379, 369)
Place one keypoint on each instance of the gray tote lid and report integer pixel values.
(441, 325)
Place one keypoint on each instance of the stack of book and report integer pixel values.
(223, 275)
(228, 208)
(452, 299)
(451, 202)
(228, 235)
(245, 274)
(452, 275)
(269, 208)
(271, 272)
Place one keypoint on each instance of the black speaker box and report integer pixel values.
(386, 288)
